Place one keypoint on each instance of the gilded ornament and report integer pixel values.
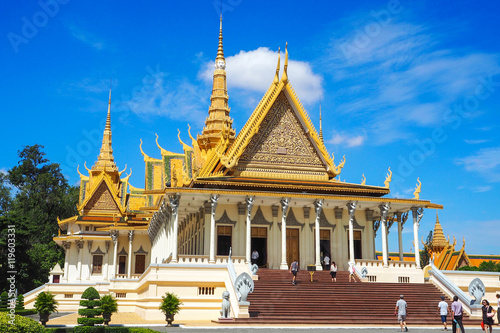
(363, 180)
(388, 178)
(416, 194)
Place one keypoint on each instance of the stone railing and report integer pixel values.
(440, 280)
(395, 271)
(200, 259)
(391, 263)
(125, 277)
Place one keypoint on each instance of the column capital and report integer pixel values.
(351, 208)
(318, 206)
(384, 209)
(285, 203)
(131, 235)
(66, 245)
(418, 213)
(249, 201)
(89, 245)
(114, 235)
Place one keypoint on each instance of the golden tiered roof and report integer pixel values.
(218, 124)
(438, 240)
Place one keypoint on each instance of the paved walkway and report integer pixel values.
(133, 319)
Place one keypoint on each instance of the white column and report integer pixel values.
(174, 206)
(114, 237)
(214, 198)
(400, 236)
(384, 209)
(79, 247)
(417, 213)
(105, 269)
(351, 209)
(285, 202)
(89, 262)
(129, 264)
(369, 232)
(318, 206)
(67, 247)
(249, 200)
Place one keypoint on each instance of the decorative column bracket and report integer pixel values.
(384, 209)
(351, 209)
(249, 201)
(214, 198)
(285, 203)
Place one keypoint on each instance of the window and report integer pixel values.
(140, 263)
(121, 264)
(97, 264)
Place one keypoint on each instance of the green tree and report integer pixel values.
(91, 312)
(488, 266)
(41, 194)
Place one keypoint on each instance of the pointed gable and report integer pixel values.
(102, 201)
(281, 142)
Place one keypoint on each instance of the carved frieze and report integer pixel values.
(281, 140)
(259, 219)
(291, 221)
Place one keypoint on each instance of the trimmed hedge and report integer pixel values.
(21, 324)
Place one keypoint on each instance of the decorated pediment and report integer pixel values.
(281, 141)
(102, 201)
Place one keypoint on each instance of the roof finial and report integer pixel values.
(220, 50)
(105, 160)
(276, 77)
(320, 125)
(284, 78)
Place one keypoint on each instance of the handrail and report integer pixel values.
(235, 304)
(453, 289)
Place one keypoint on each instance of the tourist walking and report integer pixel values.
(400, 311)
(488, 314)
(255, 257)
(333, 271)
(456, 314)
(326, 260)
(294, 269)
(443, 312)
(351, 272)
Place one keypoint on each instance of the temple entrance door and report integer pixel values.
(292, 245)
(223, 240)
(324, 243)
(259, 243)
(357, 244)
(140, 263)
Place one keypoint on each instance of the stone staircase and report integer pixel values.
(276, 301)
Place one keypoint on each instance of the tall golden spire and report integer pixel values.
(105, 160)
(320, 125)
(218, 123)
(438, 240)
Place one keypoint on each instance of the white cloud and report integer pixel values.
(350, 141)
(4, 171)
(486, 163)
(401, 78)
(480, 189)
(175, 99)
(254, 71)
(86, 37)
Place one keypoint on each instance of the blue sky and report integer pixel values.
(411, 85)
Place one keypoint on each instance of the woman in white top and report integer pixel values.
(333, 271)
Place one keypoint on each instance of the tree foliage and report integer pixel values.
(484, 266)
(91, 311)
(33, 194)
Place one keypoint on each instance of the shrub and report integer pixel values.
(21, 324)
(4, 301)
(90, 315)
(170, 304)
(20, 303)
(45, 303)
(109, 304)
